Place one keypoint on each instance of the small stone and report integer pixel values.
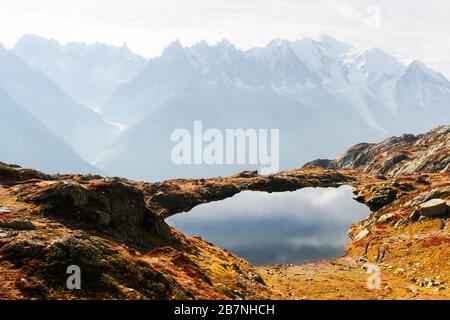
(412, 289)
(5, 209)
(362, 259)
(385, 218)
(363, 233)
(401, 222)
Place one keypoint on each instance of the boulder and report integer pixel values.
(381, 198)
(247, 174)
(385, 218)
(433, 208)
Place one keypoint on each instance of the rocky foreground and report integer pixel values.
(114, 230)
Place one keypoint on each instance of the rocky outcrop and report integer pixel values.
(15, 174)
(101, 204)
(175, 196)
(407, 154)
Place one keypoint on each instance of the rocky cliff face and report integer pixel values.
(407, 154)
(114, 229)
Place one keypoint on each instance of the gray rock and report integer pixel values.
(8, 234)
(385, 218)
(432, 194)
(382, 198)
(415, 215)
(434, 208)
(401, 222)
(361, 234)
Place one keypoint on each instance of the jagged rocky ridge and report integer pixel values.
(406, 154)
(114, 230)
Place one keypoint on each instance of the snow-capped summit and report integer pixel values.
(421, 85)
(334, 45)
(419, 70)
(221, 65)
(374, 73)
(174, 47)
(376, 63)
(366, 80)
(224, 43)
(38, 52)
(88, 73)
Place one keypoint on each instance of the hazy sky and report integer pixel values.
(408, 29)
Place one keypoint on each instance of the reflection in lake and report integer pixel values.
(288, 227)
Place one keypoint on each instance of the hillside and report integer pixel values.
(403, 155)
(114, 229)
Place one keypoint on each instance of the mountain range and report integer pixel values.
(88, 73)
(323, 94)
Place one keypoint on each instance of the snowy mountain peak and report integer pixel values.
(325, 43)
(421, 85)
(224, 43)
(89, 73)
(201, 44)
(418, 64)
(419, 70)
(35, 39)
(335, 45)
(173, 47)
(375, 62)
(276, 43)
(43, 50)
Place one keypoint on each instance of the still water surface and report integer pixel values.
(288, 227)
